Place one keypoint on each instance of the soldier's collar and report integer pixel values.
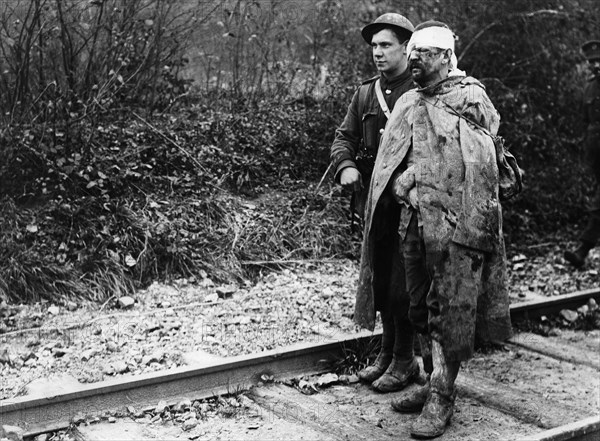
(396, 81)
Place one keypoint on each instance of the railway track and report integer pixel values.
(506, 395)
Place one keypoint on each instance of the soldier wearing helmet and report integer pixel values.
(591, 117)
(381, 285)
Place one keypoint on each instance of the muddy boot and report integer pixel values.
(578, 256)
(414, 400)
(439, 406)
(404, 368)
(384, 358)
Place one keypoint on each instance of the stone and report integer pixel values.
(226, 291)
(153, 325)
(327, 379)
(583, 310)
(53, 310)
(182, 405)
(5, 357)
(353, 379)
(190, 424)
(245, 401)
(111, 346)
(71, 306)
(61, 352)
(52, 386)
(125, 302)
(214, 297)
(120, 367)
(33, 341)
(12, 433)
(200, 358)
(88, 354)
(569, 315)
(161, 407)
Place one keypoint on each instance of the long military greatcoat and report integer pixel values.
(458, 202)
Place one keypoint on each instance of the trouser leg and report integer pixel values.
(384, 358)
(418, 280)
(591, 234)
(439, 406)
(403, 368)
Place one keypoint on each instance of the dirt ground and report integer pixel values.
(307, 302)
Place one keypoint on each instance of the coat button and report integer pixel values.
(381, 131)
(388, 91)
(384, 164)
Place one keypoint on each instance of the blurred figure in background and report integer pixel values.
(591, 117)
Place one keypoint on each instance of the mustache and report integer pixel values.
(414, 64)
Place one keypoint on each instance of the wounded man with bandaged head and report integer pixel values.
(438, 159)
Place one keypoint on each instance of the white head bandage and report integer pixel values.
(435, 36)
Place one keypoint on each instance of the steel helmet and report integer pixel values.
(591, 50)
(391, 19)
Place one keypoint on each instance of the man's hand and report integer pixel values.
(351, 179)
(413, 197)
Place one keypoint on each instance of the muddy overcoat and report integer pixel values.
(470, 217)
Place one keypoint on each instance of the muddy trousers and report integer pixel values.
(443, 288)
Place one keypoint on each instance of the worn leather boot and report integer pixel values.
(434, 417)
(439, 406)
(404, 368)
(384, 358)
(398, 375)
(376, 370)
(414, 400)
(577, 257)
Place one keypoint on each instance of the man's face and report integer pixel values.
(389, 54)
(594, 66)
(426, 65)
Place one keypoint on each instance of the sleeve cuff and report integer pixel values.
(342, 165)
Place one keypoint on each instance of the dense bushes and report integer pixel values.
(158, 200)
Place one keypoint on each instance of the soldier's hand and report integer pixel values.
(351, 179)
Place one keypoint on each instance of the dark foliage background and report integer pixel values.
(147, 139)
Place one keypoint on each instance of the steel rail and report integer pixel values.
(584, 430)
(41, 414)
(550, 305)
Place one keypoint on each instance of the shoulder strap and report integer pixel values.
(362, 98)
(381, 99)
